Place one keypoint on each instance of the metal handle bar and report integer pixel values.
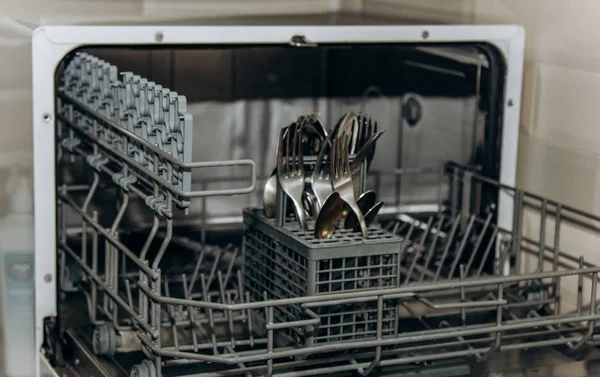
(418, 297)
(188, 165)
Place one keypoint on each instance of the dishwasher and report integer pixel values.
(329, 197)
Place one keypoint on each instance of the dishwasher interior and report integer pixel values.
(169, 266)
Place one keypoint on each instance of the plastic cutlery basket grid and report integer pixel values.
(285, 262)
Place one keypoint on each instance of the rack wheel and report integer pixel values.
(105, 340)
(144, 369)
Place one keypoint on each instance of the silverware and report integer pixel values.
(365, 202)
(270, 199)
(331, 197)
(359, 158)
(372, 214)
(364, 152)
(347, 124)
(331, 213)
(320, 180)
(350, 127)
(368, 206)
(319, 126)
(362, 135)
(290, 169)
(333, 207)
(313, 134)
(313, 139)
(270, 196)
(341, 177)
(308, 201)
(368, 127)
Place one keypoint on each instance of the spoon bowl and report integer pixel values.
(270, 197)
(333, 210)
(371, 215)
(365, 202)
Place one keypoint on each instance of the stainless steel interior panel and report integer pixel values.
(204, 75)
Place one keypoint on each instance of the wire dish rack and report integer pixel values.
(436, 285)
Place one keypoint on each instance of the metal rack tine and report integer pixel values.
(128, 291)
(431, 248)
(214, 266)
(463, 312)
(418, 251)
(170, 312)
(228, 314)
(190, 313)
(250, 325)
(231, 263)
(461, 248)
(487, 251)
(165, 244)
(555, 254)
(542, 240)
(447, 247)
(209, 312)
(196, 270)
(150, 238)
(478, 243)
(579, 289)
(86, 203)
(240, 285)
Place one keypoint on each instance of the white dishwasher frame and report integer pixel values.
(51, 44)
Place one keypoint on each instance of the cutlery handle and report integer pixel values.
(321, 155)
(361, 219)
(299, 209)
(360, 156)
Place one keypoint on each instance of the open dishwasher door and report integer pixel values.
(153, 257)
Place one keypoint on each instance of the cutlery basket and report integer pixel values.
(286, 262)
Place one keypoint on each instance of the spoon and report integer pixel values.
(371, 215)
(365, 202)
(333, 210)
(270, 197)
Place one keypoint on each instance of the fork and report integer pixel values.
(341, 177)
(367, 128)
(364, 152)
(290, 169)
(320, 182)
